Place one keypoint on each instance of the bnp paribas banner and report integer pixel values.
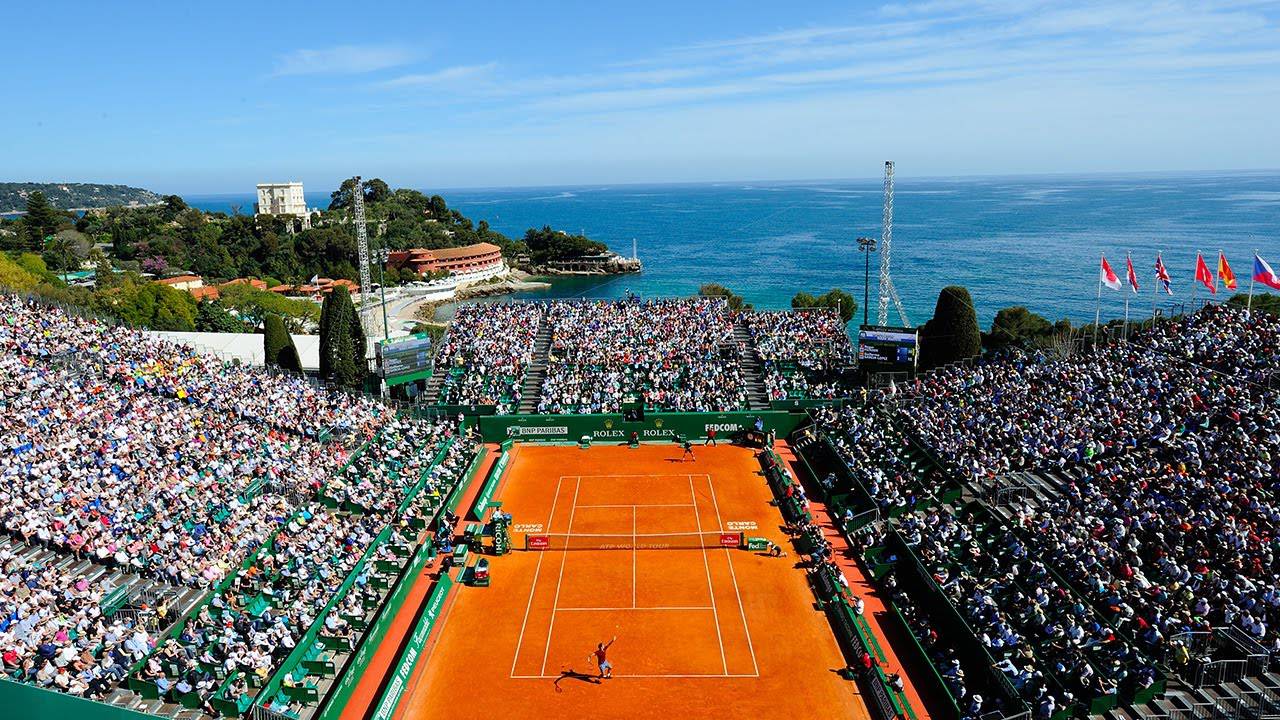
(654, 427)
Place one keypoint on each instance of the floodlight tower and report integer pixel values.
(887, 291)
(362, 245)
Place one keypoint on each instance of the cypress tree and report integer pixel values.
(277, 345)
(341, 340)
(953, 332)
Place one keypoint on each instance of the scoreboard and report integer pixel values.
(403, 356)
(887, 348)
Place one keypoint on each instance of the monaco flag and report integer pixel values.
(1263, 273)
(1224, 272)
(1204, 277)
(1108, 276)
(1132, 276)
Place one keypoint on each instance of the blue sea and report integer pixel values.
(1024, 240)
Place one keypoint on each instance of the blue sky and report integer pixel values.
(214, 98)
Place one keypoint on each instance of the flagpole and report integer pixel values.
(1155, 292)
(1130, 279)
(1126, 317)
(1199, 258)
(1097, 313)
(1248, 310)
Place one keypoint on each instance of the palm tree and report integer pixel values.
(62, 249)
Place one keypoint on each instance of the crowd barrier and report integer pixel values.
(389, 700)
(492, 481)
(22, 700)
(852, 631)
(338, 697)
(613, 428)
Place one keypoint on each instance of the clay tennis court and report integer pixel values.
(633, 551)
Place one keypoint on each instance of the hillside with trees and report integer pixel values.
(67, 196)
(129, 245)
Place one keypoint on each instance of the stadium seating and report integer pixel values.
(802, 351)
(486, 351)
(668, 354)
(141, 476)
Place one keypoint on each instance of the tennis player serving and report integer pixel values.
(606, 668)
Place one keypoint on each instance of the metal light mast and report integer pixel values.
(887, 291)
(362, 243)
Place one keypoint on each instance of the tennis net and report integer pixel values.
(642, 541)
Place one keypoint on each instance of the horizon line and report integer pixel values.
(898, 178)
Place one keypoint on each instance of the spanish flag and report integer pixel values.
(1224, 272)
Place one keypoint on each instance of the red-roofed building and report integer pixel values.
(321, 286)
(251, 282)
(204, 293)
(459, 260)
(183, 282)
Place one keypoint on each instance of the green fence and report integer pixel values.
(408, 659)
(341, 693)
(612, 427)
(21, 700)
(491, 483)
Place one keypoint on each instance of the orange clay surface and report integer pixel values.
(701, 633)
(365, 694)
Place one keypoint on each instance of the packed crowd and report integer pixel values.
(1170, 515)
(254, 623)
(876, 453)
(671, 354)
(801, 351)
(145, 457)
(283, 401)
(160, 487)
(486, 351)
(1052, 648)
(53, 633)
(1223, 338)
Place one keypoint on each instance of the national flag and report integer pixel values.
(1224, 272)
(1204, 277)
(1108, 276)
(1163, 275)
(1263, 273)
(1132, 276)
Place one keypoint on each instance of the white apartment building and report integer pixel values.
(283, 199)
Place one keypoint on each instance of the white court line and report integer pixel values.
(616, 609)
(648, 475)
(638, 506)
(564, 555)
(529, 605)
(634, 551)
(710, 676)
(729, 556)
(710, 588)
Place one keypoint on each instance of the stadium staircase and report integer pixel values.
(531, 389)
(749, 363)
(432, 394)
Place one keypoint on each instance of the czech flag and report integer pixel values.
(1263, 273)
(1108, 276)
(1132, 276)
(1224, 272)
(1163, 275)
(1204, 277)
